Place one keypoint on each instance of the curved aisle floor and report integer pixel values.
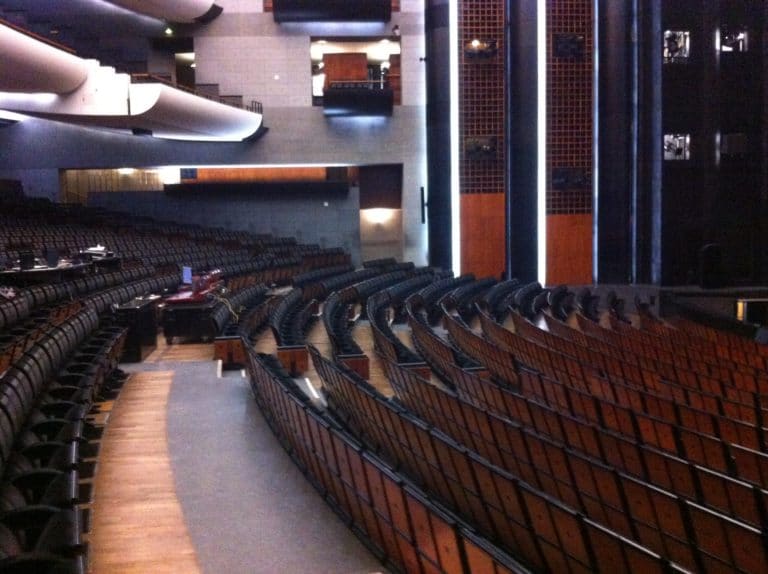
(227, 483)
(138, 524)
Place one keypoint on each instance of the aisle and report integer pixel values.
(231, 501)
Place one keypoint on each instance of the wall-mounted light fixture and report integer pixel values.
(479, 48)
(378, 215)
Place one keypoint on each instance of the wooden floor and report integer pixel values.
(138, 526)
(180, 353)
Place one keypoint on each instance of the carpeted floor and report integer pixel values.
(247, 507)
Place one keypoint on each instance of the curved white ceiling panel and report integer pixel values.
(186, 11)
(29, 65)
(148, 109)
(175, 114)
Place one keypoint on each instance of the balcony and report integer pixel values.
(331, 10)
(358, 98)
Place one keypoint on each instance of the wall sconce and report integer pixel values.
(477, 48)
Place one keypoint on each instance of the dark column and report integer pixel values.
(647, 62)
(521, 139)
(615, 142)
(438, 132)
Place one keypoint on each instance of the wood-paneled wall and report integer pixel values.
(348, 66)
(268, 6)
(569, 249)
(482, 234)
(273, 174)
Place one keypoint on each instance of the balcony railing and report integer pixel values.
(254, 106)
(358, 98)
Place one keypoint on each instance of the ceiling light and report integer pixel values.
(169, 31)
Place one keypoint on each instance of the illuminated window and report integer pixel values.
(677, 46)
(733, 39)
(677, 147)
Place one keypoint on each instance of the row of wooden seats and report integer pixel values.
(690, 370)
(717, 491)
(538, 528)
(406, 529)
(601, 492)
(436, 351)
(731, 459)
(671, 400)
(703, 412)
(667, 335)
(709, 451)
(652, 325)
(730, 402)
(683, 350)
(725, 341)
(702, 355)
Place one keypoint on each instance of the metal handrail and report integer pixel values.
(366, 84)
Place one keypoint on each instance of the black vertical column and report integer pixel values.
(647, 79)
(521, 139)
(438, 132)
(615, 144)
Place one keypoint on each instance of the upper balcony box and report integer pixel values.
(348, 89)
(332, 10)
(358, 98)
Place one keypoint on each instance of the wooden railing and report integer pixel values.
(37, 37)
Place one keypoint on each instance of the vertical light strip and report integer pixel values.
(541, 168)
(634, 142)
(595, 140)
(453, 35)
